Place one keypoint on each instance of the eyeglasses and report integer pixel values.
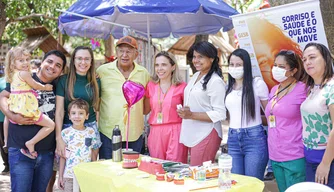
(127, 52)
(80, 59)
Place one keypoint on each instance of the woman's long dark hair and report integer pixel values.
(207, 49)
(248, 99)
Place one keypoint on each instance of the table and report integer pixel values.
(105, 176)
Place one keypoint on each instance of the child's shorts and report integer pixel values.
(68, 184)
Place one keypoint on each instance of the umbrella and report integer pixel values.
(151, 18)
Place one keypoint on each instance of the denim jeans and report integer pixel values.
(269, 166)
(30, 174)
(311, 168)
(249, 150)
(106, 148)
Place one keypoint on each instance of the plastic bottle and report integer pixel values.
(201, 174)
(116, 144)
(225, 166)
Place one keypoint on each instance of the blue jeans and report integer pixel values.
(29, 174)
(269, 167)
(106, 148)
(249, 150)
(311, 168)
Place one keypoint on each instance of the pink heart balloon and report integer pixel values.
(133, 92)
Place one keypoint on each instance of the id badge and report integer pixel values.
(159, 118)
(272, 121)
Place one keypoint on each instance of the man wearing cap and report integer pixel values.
(112, 76)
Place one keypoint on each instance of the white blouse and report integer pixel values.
(233, 105)
(210, 101)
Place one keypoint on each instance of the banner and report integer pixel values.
(264, 33)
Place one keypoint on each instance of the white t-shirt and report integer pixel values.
(79, 143)
(233, 105)
(210, 101)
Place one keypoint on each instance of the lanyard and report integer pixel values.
(273, 103)
(275, 95)
(160, 101)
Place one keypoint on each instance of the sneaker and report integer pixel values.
(5, 171)
(269, 176)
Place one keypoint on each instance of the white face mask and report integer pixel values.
(236, 72)
(279, 74)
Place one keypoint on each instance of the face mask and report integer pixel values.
(236, 72)
(279, 74)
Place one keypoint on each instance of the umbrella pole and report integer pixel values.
(149, 42)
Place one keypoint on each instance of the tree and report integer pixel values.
(327, 12)
(28, 13)
(16, 15)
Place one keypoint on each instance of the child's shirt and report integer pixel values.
(79, 146)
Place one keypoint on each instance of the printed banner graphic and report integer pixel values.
(288, 27)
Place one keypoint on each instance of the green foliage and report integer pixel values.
(20, 8)
(241, 5)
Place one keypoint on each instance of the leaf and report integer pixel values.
(311, 124)
(312, 117)
(326, 95)
(305, 119)
(318, 126)
(325, 118)
(322, 139)
(314, 135)
(308, 129)
(327, 101)
(325, 129)
(319, 117)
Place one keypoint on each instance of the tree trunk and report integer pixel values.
(274, 3)
(109, 47)
(327, 12)
(198, 38)
(2, 20)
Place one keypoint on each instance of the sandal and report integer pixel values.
(31, 155)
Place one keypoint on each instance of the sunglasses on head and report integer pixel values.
(288, 52)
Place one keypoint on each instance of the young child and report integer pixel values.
(79, 141)
(23, 97)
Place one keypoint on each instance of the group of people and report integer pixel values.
(299, 115)
(57, 121)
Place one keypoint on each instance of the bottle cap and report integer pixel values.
(116, 131)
